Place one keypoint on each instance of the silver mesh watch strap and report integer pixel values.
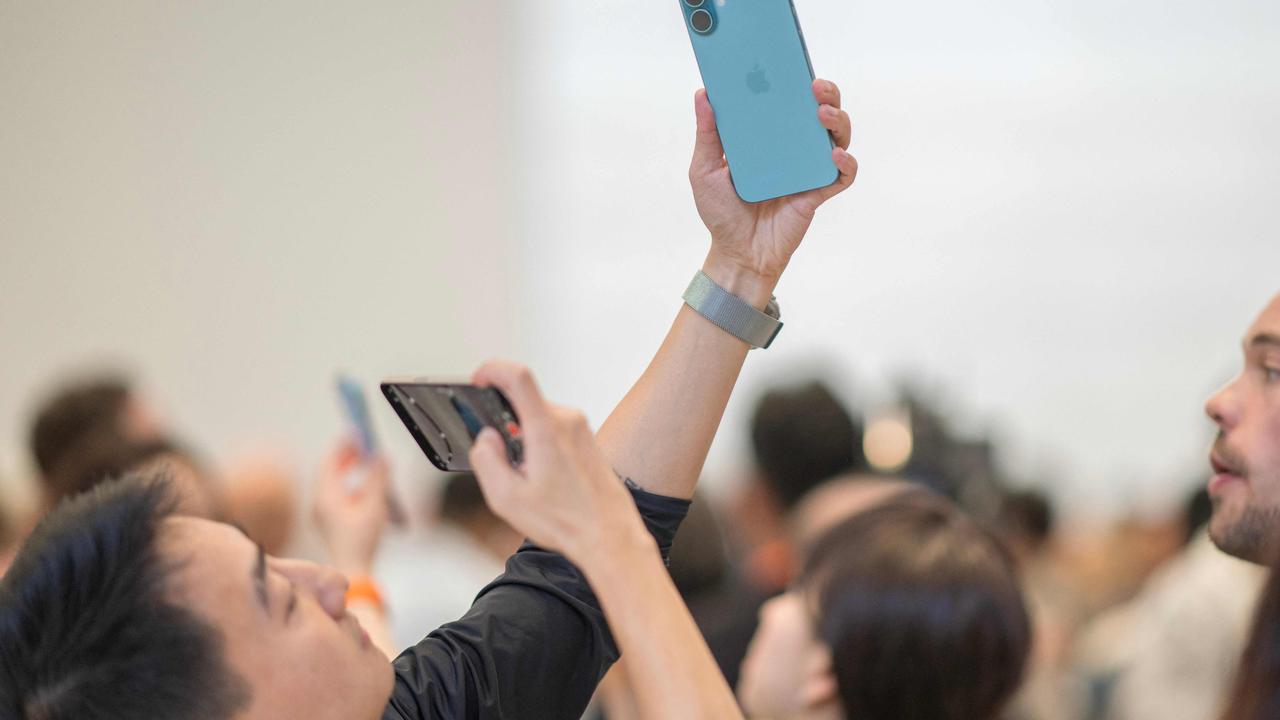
(731, 313)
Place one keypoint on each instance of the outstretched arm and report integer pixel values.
(565, 497)
(660, 433)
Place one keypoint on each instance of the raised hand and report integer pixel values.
(751, 243)
(564, 496)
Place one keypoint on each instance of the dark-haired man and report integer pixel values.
(259, 637)
(84, 416)
(1245, 488)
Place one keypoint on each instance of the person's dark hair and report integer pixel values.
(72, 415)
(802, 436)
(6, 531)
(699, 562)
(1255, 693)
(922, 610)
(102, 457)
(1028, 516)
(87, 630)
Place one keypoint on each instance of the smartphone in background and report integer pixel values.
(351, 397)
(357, 411)
(444, 419)
(759, 80)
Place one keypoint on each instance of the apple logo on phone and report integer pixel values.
(757, 81)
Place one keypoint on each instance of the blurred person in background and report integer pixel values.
(1175, 651)
(801, 436)
(8, 540)
(262, 499)
(1025, 522)
(104, 418)
(838, 499)
(86, 415)
(1255, 690)
(1179, 636)
(350, 511)
(82, 408)
(431, 574)
(905, 610)
(106, 455)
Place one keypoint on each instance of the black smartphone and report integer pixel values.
(444, 419)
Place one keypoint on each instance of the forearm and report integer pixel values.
(660, 433)
(670, 669)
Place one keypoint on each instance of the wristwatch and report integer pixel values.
(733, 314)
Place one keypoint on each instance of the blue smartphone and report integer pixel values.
(759, 80)
(357, 412)
(351, 395)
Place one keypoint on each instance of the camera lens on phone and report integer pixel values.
(694, 3)
(701, 21)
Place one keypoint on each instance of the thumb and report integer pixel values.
(493, 470)
(708, 152)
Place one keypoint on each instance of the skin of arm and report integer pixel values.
(565, 497)
(661, 431)
(669, 668)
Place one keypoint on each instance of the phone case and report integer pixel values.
(444, 419)
(759, 80)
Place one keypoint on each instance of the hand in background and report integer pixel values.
(751, 243)
(564, 496)
(350, 507)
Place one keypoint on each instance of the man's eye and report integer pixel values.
(1272, 374)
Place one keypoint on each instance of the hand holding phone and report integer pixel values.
(445, 418)
(758, 75)
(564, 496)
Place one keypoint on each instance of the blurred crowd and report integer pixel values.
(1138, 619)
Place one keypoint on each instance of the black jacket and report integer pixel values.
(533, 645)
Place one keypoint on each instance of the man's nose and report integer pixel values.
(1220, 406)
(325, 584)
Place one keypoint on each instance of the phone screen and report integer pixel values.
(445, 418)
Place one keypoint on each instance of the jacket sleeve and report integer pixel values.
(533, 645)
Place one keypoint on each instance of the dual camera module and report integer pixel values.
(701, 18)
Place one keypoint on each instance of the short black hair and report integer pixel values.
(74, 413)
(802, 436)
(86, 628)
(922, 610)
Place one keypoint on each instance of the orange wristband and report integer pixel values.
(364, 589)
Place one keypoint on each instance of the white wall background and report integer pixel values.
(237, 198)
(1065, 214)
